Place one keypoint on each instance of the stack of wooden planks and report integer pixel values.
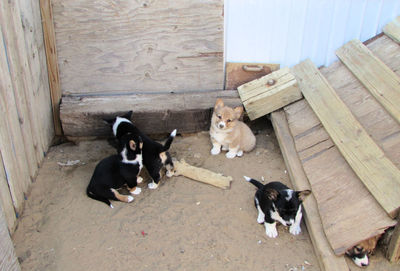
(343, 142)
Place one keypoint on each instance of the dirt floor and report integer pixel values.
(183, 225)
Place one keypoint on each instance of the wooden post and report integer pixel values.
(393, 250)
(52, 64)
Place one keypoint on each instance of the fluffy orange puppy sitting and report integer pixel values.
(228, 132)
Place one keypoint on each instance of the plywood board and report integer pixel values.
(6, 199)
(187, 112)
(326, 257)
(379, 79)
(269, 93)
(240, 73)
(107, 46)
(375, 170)
(392, 29)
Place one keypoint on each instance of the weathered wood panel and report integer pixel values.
(380, 80)
(8, 259)
(26, 129)
(327, 259)
(152, 113)
(375, 170)
(121, 46)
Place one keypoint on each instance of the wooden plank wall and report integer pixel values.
(26, 124)
(139, 46)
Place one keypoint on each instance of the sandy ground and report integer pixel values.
(183, 225)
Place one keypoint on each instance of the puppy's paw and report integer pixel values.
(136, 191)
(139, 179)
(260, 220)
(169, 173)
(240, 153)
(215, 151)
(295, 229)
(270, 230)
(152, 185)
(230, 154)
(130, 198)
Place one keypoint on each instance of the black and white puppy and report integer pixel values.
(155, 155)
(275, 202)
(118, 170)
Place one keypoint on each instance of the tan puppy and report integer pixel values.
(228, 132)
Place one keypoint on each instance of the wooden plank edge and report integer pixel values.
(52, 63)
(327, 259)
(392, 29)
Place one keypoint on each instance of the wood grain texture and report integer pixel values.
(326, 258)
(52, 62)
(268, 93)
(26, 143)
(107, 46)
(380, 80)
(32, 26)
(152, 113)
(8, 259)
(375, 170)
(392, 29)
(393, 250)
(240, 73)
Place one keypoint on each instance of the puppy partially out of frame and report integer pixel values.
(118, 170)
(275, 202)
(228, 132)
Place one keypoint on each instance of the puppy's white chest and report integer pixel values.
(221, 137)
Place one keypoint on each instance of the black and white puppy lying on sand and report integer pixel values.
(118, 170)
(275, 202)
(155, 155)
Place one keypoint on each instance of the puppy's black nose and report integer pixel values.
(221, 125)
(288, 223)
(364, 264)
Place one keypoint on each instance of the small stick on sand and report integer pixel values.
(201, 175)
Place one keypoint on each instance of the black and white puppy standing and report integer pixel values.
(155, 155)
(118, 170)
(275, 202)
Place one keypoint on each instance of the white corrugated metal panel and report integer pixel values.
(289, 31)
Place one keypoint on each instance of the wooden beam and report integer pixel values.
(326, 257)
(379, 79)
(153, 113)
(392, 29)
(269, 93)
(375, 170)
(52, 62)
(6, 199)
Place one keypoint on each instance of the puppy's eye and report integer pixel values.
(229, 120)
(219, 116)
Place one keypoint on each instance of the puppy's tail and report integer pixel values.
(97, 197)
(254, 182)
(169, 141)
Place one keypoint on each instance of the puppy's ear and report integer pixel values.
(219, 103)
(238, 111)
(127, 115)
(272, 194)
(132, 145)
(301, 195)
